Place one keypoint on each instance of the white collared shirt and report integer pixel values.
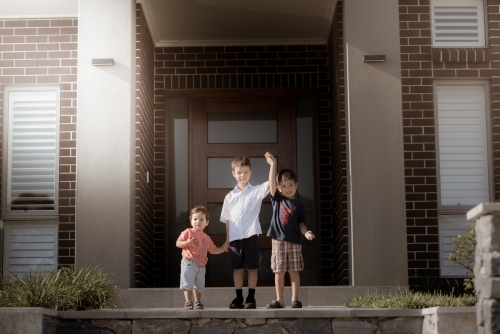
(241, 208)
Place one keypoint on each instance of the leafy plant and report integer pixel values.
(408, 300)
(67, 289)
(463, 248)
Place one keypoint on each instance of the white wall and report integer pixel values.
(106, 132)
(377, 218)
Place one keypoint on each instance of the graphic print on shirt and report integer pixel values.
(285, 212)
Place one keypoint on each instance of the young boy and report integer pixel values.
(195, 244)
(240, 213)
(287, 226)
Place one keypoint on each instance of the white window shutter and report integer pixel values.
(29, 246)
(463, 150)
(449, 227)
(32, 151)
(458, 23)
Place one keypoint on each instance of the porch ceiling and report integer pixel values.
(210, 22)
(238, 22)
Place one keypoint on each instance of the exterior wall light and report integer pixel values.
(370, 58)
(103, 62)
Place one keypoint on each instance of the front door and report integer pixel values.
(207, 130)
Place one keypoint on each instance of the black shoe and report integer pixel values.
(296, 304)
(237, 303)
(250, 303)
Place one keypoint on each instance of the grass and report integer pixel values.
(409, 300)
(67, 289)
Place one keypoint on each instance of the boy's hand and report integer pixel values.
(269, 158)
(309, 235)
(225, 246)
(191, 242)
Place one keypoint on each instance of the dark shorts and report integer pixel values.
(244, 253)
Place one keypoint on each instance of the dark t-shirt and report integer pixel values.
(287, 215)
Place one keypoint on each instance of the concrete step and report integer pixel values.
(222, 297)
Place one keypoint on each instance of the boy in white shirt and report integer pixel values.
(240, 213)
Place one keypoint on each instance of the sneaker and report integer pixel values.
(236, 303)
(250, 303)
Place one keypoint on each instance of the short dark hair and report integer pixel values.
(241, 161)
(198, 209)
(285, 175)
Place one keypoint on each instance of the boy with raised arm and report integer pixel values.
(240, 213)
(288, 224)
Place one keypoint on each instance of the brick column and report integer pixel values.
(487, 266)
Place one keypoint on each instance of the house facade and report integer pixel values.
(101, 163)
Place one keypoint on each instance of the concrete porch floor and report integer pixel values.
(321, 296)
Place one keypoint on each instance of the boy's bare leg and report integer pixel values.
(238, 278)
(295, 281)
(197, 295)
(279, 282)
(188, 294)
(252, 278)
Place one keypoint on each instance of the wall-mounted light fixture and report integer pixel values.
(103, 62)
(370, 58)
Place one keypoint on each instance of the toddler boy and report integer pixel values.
(195, 244)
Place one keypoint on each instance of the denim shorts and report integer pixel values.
(192, 275)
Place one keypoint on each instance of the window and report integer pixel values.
(30, 152)
(30, 246)
(458, 23)
(462, 130)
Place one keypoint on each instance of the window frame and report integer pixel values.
(456, 210)
(489, 159)
(39, 214)
(484, 27)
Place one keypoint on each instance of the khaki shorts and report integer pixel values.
(286, 256)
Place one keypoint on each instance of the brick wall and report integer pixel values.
(421, 67)
(144, 159)
(240, 67)
(338, 235)
(44, 51)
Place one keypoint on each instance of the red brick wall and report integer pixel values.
(337, 236)
(421, 67)
(145, 259)
(240, 67)
(44, 51)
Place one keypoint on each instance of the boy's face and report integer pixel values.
(199, 221)
(242, 175)
(288, 188)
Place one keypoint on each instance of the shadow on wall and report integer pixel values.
(32, 201)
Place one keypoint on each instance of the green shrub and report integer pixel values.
(67, 289)
(463, 248)
(408, 300)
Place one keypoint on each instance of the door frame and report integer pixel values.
(241, 94)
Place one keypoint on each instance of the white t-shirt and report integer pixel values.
(241, 208)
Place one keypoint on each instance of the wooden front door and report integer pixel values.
(220, 129)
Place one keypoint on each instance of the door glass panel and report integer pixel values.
(219, 172)
(178, 183)
(238, 127)
(306, 174)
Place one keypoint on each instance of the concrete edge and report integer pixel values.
(448, 310)
(306, 312)
(28, 310)
(482, 209)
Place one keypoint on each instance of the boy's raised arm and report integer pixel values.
(272, 172)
